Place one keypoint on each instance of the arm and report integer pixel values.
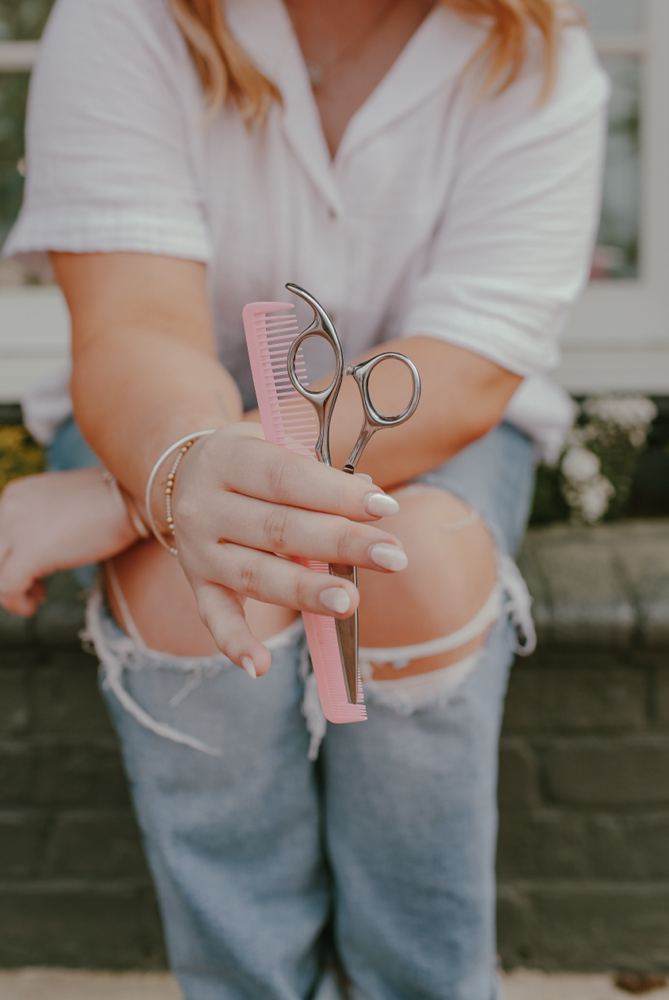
(141, 333)
(510, 254)
(145, 374)
(463, 396)
(55, 521)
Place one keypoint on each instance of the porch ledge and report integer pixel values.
(604, 586)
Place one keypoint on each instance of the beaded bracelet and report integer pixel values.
(170, 485)
(182, 446)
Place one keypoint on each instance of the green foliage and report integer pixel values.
(23, 19)
(594, 477)
(20, 20)
(13, 96)
(20, 455)
(618, 458)
(548, 504)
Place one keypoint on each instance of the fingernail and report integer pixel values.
(363, 475)
(247, 664)
(335, 599)
(388, 556)
(381, 504)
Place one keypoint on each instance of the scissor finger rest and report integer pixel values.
(323, 401)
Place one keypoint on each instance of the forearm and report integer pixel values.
(144, 367)
(463, 397)
(163, 390)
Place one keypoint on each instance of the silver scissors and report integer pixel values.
(323, 403)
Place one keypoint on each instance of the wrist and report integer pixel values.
(133, 524)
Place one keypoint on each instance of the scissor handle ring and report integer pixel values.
(361, 373)
(311, 394)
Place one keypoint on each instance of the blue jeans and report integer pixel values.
(388, 838)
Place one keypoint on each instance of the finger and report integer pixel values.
(309, 534)
(26, 603)
(37, 592)
(261, 575)
(22, 603)
(259, 469)
(16, 587)
(223, 614)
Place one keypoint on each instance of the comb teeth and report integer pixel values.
(292, 417)
(290, 420)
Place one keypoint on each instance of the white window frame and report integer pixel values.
(617, 338)
(34, 321)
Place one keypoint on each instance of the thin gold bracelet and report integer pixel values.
(188, 440)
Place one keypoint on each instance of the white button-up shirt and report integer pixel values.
(462, 218)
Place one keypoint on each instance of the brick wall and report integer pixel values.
(583, 857)
(74, 887)
(584, 781)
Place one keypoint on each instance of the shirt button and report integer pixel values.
(332, 213)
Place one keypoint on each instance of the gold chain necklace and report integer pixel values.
(318, 71)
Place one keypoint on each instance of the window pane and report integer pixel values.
(20, 20)
(608, 17)
(23, 19)
(13, 95)
(617, 250)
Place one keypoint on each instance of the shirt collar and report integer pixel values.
(264, 29)
(436, 54)
(434, 57)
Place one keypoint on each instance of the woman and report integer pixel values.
(430, 172)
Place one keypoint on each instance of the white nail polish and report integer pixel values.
(335, 599)
(388, 556)
(381, 504)
(247, 664)
(363, 475)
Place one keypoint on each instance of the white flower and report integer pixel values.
(626, 412)
(608, 421)
(594, 499)
(589, 501)
(637, 436)
(580, 464)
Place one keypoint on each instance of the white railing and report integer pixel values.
(17, 56)
(622, 45)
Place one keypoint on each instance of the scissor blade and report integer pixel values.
(347, 637)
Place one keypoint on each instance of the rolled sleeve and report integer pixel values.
(512, 250)
(109, 153)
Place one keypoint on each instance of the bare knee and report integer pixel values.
(451, 574)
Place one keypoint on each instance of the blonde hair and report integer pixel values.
(227, 73)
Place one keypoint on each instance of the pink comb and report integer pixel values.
(289, 420)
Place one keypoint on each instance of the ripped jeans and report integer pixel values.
(388, 837)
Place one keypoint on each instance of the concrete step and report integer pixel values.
(525, 984)
(66, 984)
(60, 984)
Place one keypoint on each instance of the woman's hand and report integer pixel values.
(54, 521)
(239, 503)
